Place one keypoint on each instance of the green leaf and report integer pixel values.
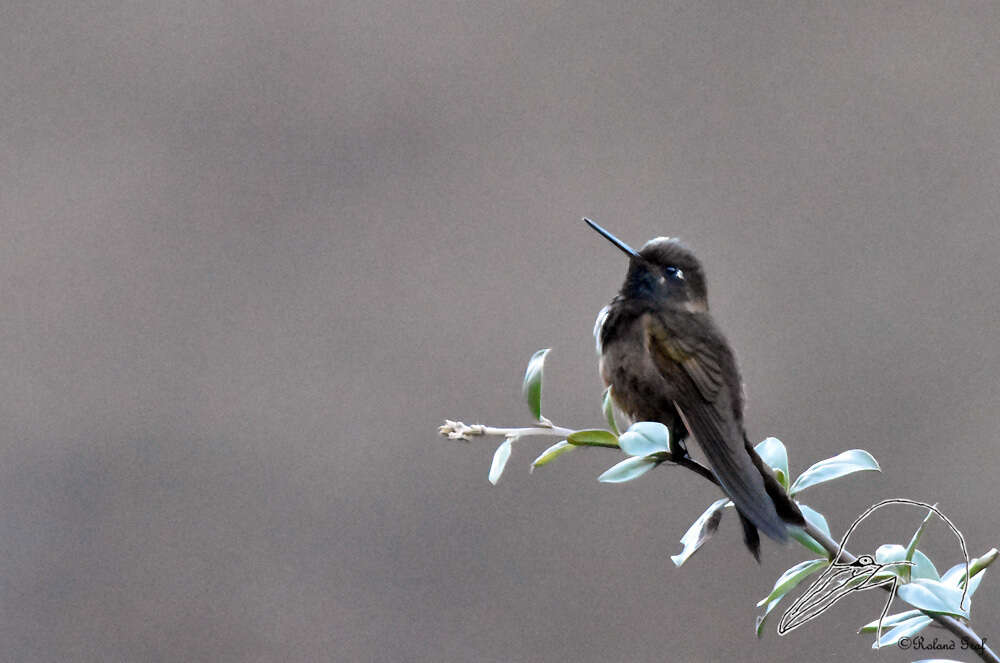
(955, 577)
(807, 541)
(500, 457)
(890, 552)
(916, 535)
(593, 438)
(550, 454)
(853, 460)
(904, 629)
(912, 546)
(786, 583)
(644, 438)
(819, 522)
(628, 469)
(933, 596)
(889, 621)
(923, 567)
(532, 387)
(980, 563)
(816, 518)
(790, 579)
(762, 617)
(701, 530)
(853, 582)
(773, 452)
(608, 407)
(974, 583)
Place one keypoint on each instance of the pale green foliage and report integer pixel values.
(647, 444)
(532, 386)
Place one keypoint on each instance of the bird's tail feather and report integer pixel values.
(739, 473)
(750, 536)
(783, 504)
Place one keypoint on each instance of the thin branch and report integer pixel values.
(456, 430)
(694, 466)
(960, 629)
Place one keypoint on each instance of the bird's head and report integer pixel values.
(663, 270)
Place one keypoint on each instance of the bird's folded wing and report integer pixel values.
(701, 365)
(696, 372)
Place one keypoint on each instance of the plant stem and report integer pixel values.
(694, 466)
(960, 629)
(457, 430)
(557, 431)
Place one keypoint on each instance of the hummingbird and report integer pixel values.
(665, 360)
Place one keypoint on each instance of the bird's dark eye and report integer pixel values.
(674, 274)
(866, 560)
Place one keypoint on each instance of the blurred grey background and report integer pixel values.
(254, 254)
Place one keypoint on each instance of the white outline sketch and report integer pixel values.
(844, 575)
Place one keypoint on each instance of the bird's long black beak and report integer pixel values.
(629, 251)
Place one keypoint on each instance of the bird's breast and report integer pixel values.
(602, 317)
(638, 388)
